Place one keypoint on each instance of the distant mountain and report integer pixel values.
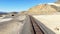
(2, 12)
(13, 12)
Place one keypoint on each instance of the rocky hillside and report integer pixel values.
(42, 9)
(55, 6)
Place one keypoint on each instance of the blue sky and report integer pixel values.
(20, 5)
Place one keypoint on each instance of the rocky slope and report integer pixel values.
(42, 9)
(55, 6)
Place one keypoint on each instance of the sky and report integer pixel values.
(20, 5)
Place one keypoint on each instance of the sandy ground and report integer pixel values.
(50, 21)
(11, 26)
(6, 19)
